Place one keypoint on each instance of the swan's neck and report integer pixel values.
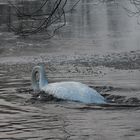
(42, 77)
(37, 86)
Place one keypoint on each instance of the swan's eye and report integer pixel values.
(37, 76)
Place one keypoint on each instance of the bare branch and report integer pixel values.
(45, 15)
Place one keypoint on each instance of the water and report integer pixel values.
(24, 119)
(103, 29)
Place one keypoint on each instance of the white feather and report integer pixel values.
(73, 91)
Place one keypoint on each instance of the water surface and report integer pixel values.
(24, 119)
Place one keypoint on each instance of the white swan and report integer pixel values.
(74, 91)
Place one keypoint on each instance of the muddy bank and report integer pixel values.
(124, 60)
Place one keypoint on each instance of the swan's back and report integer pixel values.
(74, 91)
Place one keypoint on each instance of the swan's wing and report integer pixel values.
(62, 90)
(74, 91)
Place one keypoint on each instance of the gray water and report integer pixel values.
(90, 30)
(23, 119)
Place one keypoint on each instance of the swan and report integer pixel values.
(68, 90)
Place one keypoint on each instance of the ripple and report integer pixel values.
(27, 117)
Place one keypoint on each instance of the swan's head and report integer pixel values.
(38, 78)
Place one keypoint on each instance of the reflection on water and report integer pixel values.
(90, 28)
(105, 26)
